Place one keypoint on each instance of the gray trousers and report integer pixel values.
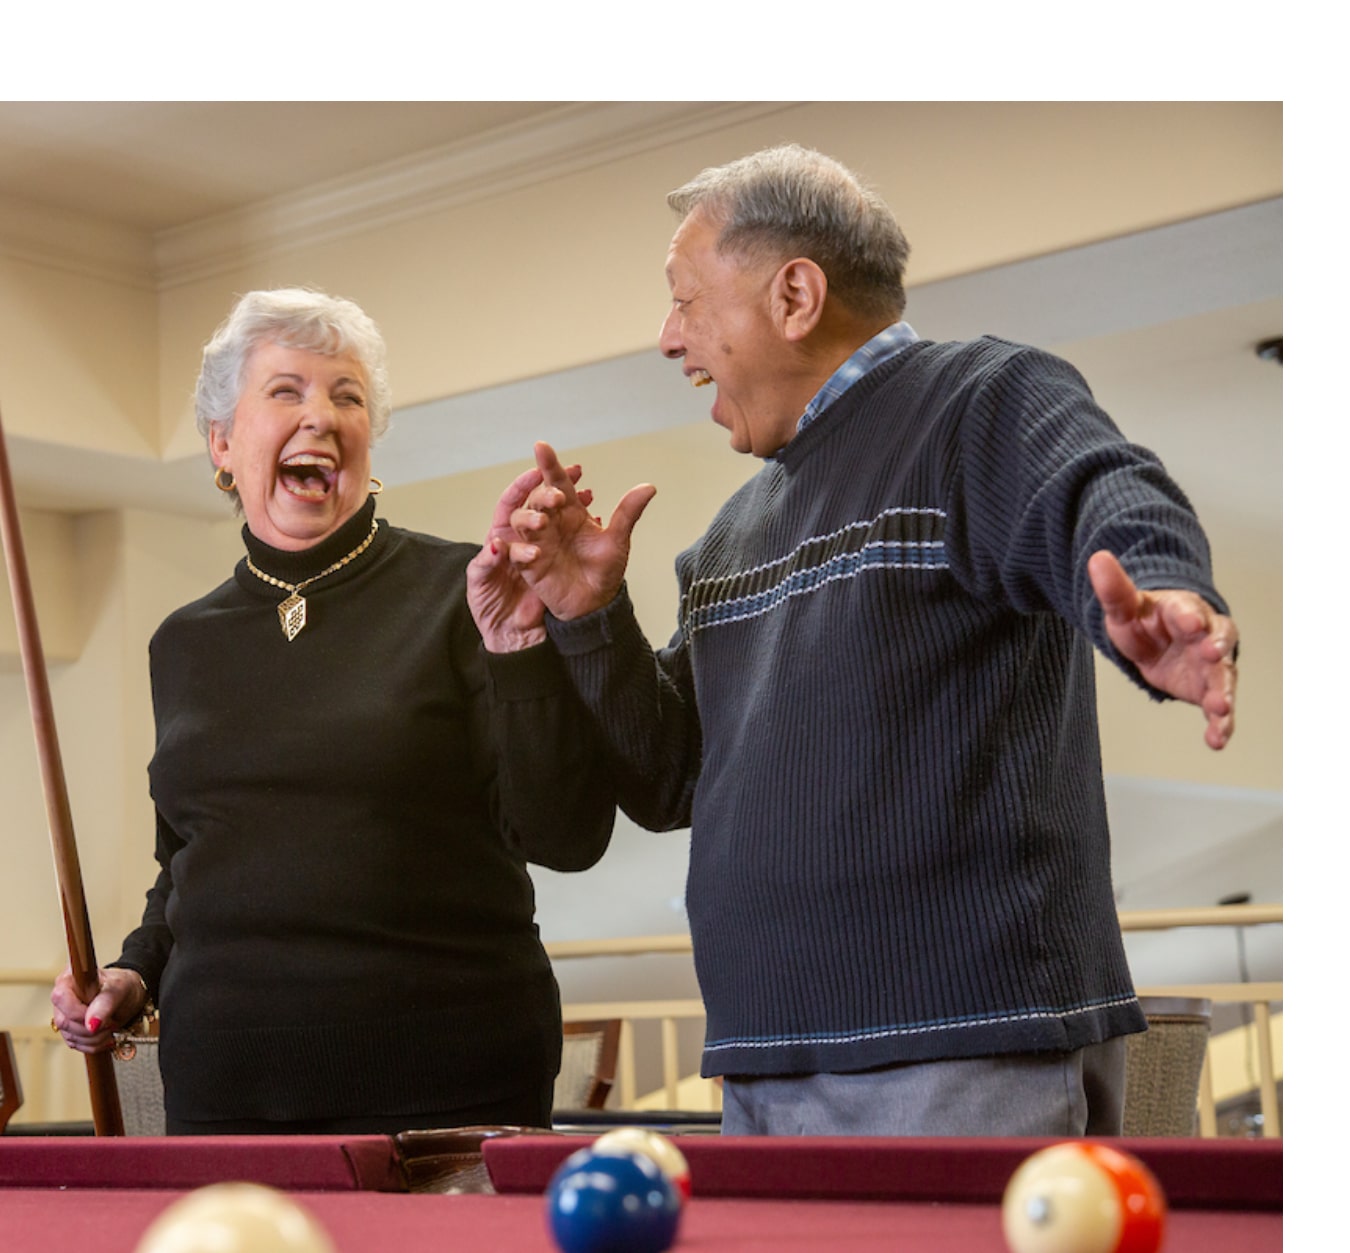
(1033, 1094)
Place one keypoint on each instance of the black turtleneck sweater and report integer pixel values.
(343, 922)
(878, 715)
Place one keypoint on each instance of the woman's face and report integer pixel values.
(299, 449)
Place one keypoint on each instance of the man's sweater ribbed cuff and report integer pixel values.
(594, 631)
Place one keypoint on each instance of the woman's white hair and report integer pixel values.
(294, 317)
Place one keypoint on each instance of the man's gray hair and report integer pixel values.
(791, 201)
(294, 317)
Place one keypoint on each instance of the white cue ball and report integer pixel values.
(235, 1218)
(661, 1149)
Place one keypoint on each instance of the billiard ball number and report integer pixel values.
(615, 1201)
(235, 1218)
(1083, 1197)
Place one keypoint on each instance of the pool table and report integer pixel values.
(425, 1192)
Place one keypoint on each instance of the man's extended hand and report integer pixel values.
(569, 560)
(1178, 642)
(509, 615)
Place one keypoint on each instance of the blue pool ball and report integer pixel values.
(612, 1203)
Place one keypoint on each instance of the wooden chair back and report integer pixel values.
(1163, 1067)
(590, 1055)
(139, 1086)
(11, 1090)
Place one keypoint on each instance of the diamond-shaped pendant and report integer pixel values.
(291, 611)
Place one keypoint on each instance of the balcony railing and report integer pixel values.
(54, 1079)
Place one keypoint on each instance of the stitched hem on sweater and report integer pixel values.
(898, 1031)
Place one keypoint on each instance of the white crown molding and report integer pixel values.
(76, 243)
(572, 138)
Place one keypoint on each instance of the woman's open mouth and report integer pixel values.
(309, 476)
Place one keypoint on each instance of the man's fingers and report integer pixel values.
(1224, 638)
(1220, 730)
(1115, 590)
(1188, 618)
(550, 468)
(631, 508)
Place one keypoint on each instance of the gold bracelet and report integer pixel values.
(124, 1043)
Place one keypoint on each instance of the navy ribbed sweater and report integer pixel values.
(878, 715)
(343, 923)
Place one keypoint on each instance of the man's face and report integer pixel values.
(721, 324)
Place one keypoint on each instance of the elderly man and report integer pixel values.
(877, 712)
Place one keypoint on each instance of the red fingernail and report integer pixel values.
(494, 547)
(95, 1024)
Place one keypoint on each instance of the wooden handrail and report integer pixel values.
(677, 1093)
(17, 977)
(628, 946)
(1200, 916)
(1227, 993)
(1130, 920)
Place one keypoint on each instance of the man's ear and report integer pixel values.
(799, 290)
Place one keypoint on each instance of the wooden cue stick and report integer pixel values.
(103, 1098)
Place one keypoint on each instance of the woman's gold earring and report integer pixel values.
(224, 487)
(376, 487)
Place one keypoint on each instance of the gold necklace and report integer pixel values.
(293, 611)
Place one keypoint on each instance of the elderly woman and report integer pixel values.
(350, 773)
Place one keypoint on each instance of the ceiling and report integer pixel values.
(152, 166)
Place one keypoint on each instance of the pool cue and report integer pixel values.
(103, 1098)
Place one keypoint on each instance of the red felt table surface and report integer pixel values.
(37, 1221)
(816, 1196)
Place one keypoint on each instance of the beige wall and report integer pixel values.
(544, 277)
(569, 271)
(51, 553)
(131, 569)
(79, 360)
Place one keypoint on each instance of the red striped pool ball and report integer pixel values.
(661, 1149)
(1083, 1197)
